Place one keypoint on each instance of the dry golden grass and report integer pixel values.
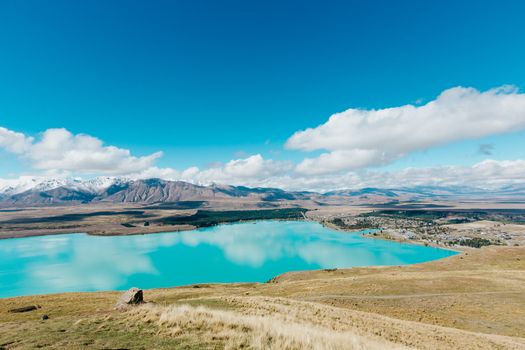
(266, 330)
(278, 323)
(480, 290)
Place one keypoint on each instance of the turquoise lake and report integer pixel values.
(242, 252)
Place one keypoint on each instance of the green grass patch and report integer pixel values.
(206, 218)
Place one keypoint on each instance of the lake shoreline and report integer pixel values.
(182, 228)
(249, 251)
(115, 222)
(334, 227)
(125, 231)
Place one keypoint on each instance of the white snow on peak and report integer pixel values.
(25, 183)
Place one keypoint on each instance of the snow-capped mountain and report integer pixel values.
(30, 183)
(26, 183)
(101, 183)
(61, 191)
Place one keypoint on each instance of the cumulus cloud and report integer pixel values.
(60, 150)
(14, 142)
(255, 171)
(342, 159)
(358, 138)
(155, 172)
(487, 174)
(251, 171)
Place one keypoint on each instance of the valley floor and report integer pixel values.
(474, 300)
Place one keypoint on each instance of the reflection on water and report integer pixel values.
(226, 253)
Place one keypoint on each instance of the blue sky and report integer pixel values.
(210, 81)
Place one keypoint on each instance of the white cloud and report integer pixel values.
(251, 171)
(359, 138)
(14, 142)
(487, 174)
(341, 160)
(253, 166)
(60, 150)
(255, 171)
(156, 172)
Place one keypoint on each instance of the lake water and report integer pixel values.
(243, 252)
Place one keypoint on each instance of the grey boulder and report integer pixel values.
(133, 296)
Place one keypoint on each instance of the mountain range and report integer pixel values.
(37, 192)
(62, 191)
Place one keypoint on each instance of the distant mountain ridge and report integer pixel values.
(123, 190)
(63, 191)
